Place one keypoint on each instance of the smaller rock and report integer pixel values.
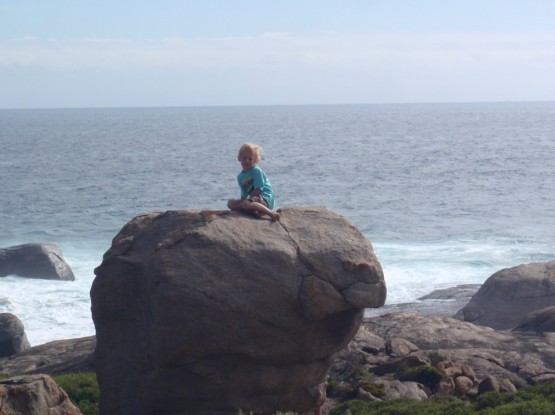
(404, 390)
(505, 385)
(542, 379)
(44, 261)
(34, 395)
(541, 321)
(468, 371)
(368, 342)
(463, 291)
(488, 384)
(12, 335)
(400, 347)
(462, 386)
(534, 370)
(450, 369)
(511, 294)
(53, 358)
(446, 386)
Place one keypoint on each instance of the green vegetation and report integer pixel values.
(358, 377)
(82, 389)
(401, 407)
(533, 400)
(426, 375)
(436, 357)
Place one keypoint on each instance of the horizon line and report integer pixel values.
(279, 105)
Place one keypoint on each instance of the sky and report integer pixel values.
(123, 53)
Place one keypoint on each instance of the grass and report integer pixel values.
(82, 389)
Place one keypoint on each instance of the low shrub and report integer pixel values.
(401, 407)
(376, 390)
(82, 389)
(436, 357)
(427, 375)
(533, 400)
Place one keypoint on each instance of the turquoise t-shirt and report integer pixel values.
(253, 179)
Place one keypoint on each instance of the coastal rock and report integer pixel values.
(43, 261)
(12, 335)
(469, 359)
(396, 389)
(444, 302)
(463, 291)
(34, 395)
(510, 294)
(486, 351)
(540, 321)
(53, 358)
(211, 312)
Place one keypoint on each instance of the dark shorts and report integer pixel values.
(258, 199)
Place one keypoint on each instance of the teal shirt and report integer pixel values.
(253, 179)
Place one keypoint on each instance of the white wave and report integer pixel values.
(416, 269)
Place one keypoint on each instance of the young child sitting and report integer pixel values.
(257, 196)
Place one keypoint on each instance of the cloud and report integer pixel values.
(329, 51)
(278, 68)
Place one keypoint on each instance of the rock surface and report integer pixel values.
(539, 321)
(488, 351)
(467, 359)
(34, 395)
(211, 312)
(53, 358)
(510, 294)
(444, 302)
(12, 335)
(43, 261)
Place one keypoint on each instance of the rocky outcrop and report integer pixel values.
(444, 355)
(35, 261)
(53, 358)
(211, 312)
(12, 335)
(34, 395)
(442, 302)
(510, 294)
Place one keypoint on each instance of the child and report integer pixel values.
(257, 195)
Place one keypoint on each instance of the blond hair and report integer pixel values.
(253, 149)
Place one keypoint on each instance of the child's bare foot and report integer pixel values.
(275, 216)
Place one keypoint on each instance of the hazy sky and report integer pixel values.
(97, 53)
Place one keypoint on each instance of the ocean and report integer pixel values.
(447, 193)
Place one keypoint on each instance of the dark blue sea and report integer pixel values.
(447, 193)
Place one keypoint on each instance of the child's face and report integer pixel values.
(247, 160)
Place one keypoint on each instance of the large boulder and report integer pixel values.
(12, 335)
(35, 261)
(510, 294)
(34, 395)
(209, 312)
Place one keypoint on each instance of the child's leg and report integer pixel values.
(234, 204)
(249, 205)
